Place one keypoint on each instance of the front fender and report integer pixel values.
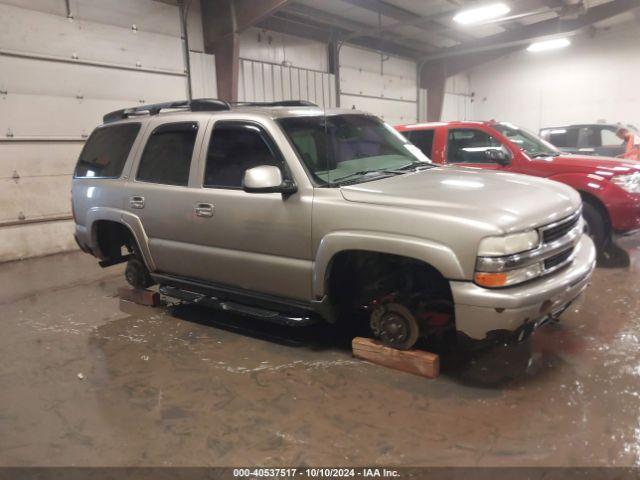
(437, 255)
(129, 220)
(584, 182)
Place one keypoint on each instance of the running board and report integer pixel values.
(288, 319)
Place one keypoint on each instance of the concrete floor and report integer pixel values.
(194, 387)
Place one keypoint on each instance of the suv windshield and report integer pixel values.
(532, 145)
(351, 148)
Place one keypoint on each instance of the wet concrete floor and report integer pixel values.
(87, 381)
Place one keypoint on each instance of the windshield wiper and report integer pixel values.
(412, 165)
(545, 154)
(362, 173)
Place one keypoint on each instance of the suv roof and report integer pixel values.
(285, 108)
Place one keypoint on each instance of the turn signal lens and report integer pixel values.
(509, 277)
(491, 280)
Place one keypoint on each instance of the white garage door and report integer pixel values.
(382, 85)
(59, 74)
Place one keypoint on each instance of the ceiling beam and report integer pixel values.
(285, 23)
(350, 30)
(221, 18)
(528, 33)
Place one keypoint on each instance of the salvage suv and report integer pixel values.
(290, 213)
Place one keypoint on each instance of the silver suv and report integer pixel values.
(291, 213)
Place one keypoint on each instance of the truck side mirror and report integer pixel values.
(498, 156)
(267, 179)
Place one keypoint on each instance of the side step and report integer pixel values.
(290, 319)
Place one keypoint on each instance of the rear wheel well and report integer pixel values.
(111, 237)
(358, 277)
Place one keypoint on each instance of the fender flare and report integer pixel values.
(590, 183)
(130, 221)
(439, 256)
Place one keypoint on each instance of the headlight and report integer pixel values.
(629, 183)
(508, 244)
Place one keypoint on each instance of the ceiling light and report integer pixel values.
(549, 45)
(481, 14)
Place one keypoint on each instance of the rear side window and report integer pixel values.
(423, 139)
(234, 148)
(106, 151)
(167, 156)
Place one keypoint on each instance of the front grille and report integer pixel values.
(554, 233)
(557, 259)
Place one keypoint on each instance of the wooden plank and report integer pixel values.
(417, 362)
(141, 297)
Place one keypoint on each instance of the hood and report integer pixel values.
(508, 201)
(592, 164)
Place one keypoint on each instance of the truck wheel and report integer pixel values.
(395, 326)
(137, 274)
(596, 226)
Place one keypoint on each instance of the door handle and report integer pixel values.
(203, 209)
(136, 202)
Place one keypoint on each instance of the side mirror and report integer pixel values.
(266, 179)
(498, 156)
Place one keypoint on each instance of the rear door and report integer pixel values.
(161, 196)
(423, 139)
(468, 146)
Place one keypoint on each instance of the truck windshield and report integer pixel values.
(351, 148)
(532, 145)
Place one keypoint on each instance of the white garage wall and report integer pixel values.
(58, 76)
(593, 79)
(385, 86)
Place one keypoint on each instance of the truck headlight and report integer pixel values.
(508, 244)
(629, 183)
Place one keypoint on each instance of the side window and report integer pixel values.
(609, 138)
(587, 137)
(423, 139)
(106, 151)
(167, 156)
(234, 148)
(468, 145)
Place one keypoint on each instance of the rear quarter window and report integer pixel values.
(106, 151)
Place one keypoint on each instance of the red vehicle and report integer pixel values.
(610, 187)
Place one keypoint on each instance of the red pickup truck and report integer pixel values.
(610, 187)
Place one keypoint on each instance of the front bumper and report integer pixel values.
(480, 310)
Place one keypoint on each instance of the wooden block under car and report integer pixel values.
(141, 297)
(418, 362)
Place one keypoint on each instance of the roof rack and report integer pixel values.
(195, 105)
(280, 103)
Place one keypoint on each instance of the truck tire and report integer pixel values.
(596, 227)
(137, 274)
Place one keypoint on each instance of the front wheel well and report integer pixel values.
(357, 277)
(598, 205)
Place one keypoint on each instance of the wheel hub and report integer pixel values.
(395, 326)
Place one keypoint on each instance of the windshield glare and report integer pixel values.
(349, 148)
(532, 145)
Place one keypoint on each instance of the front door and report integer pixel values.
(471, 147)
(255, 241)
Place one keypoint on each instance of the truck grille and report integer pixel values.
(559, 231)
(557, 259)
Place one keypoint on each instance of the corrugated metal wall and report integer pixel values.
(60, 71)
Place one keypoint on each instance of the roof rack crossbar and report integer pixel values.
(279, 103)
(195, 105)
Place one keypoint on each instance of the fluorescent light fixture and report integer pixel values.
(481, 14)
(549, 45)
